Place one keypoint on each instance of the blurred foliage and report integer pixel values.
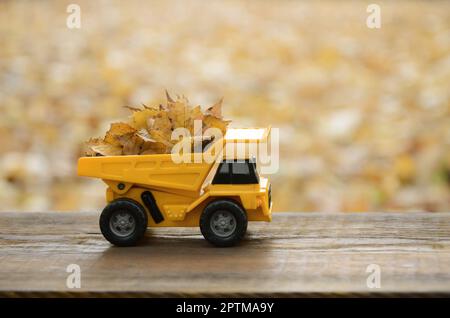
(364, 113)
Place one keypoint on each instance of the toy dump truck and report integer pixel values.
(154, 191)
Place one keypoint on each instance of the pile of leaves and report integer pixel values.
(149, 129)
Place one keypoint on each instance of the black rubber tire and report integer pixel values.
(241, 223)
(136, 210)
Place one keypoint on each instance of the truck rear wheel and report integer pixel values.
(223, 223)
(123, 222)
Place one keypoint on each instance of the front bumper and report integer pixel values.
(266, 204)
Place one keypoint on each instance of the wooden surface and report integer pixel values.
(298, 254)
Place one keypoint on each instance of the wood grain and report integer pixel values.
(298, 254)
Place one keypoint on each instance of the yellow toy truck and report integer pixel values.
(154, 191)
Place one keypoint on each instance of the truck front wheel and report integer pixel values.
(123, 222)
(223, 223)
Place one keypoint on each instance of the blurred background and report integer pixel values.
(364, 114)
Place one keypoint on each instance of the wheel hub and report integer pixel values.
(223, 223)
(122, 223)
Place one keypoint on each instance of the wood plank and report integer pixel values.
(298, 254)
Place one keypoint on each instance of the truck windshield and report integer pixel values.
(236, 172)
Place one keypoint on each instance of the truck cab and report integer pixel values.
(242, 176)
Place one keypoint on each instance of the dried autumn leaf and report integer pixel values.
(177, 113)
(139, 118)
(216, 109)
(161, 122)
(144, 135)
(149, 148)
(92, 143)
(194, 114)
(117, 130)
(97, 146)
(160, 136)
(213, 122)
(131, 144)
(135, 109)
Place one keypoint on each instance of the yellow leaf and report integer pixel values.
(169, 99)
(194, 114)
(139, 118)
(150, 148)
(144, 135)
(117, 130)
(134, 109)
(161, 122)
(216, 109)
(161, 137)
(178, 113)
(131, 144)
(98, 146)
(214, 122)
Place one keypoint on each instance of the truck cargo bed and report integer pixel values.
(147, 170)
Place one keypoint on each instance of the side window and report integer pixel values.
(236, 172)
(223, 175)
(224, 168)
(244, 172)
(240, 168)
